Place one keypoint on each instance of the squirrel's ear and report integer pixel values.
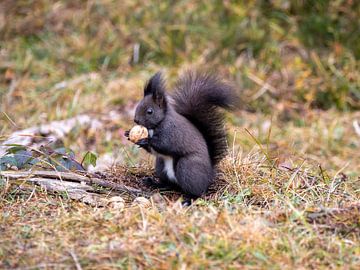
(159, 98)
(155, 87)
(154, 84)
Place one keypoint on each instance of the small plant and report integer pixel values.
(60, 159)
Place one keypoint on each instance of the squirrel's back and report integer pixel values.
(199, 97)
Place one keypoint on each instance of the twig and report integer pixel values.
(264, 86)
(74, 177)
(324, 212)
(11, 90)
(9, 119)
(356, 126)
(32, 193)
(335, 183)
(75, 191)
(76, 260)
(71, 83)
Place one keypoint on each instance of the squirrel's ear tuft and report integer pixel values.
(154, 84)
(156, 87)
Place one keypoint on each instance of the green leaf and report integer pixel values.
(14, 148)
(7, 161)
(65, 151)
(23, 158)
(89, 159)
(16, 156)
(70, 164)
(259, 255)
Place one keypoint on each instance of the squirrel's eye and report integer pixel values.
(149, 111)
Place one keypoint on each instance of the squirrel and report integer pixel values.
(186, 129)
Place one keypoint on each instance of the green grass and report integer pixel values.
(308, 53)
(288, 196)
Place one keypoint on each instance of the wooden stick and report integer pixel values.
(74, 177)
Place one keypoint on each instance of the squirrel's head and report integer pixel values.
(152, 108)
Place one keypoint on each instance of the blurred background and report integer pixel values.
(295, 63)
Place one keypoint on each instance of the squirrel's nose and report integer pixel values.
(136, 121)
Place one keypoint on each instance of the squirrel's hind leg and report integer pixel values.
(164, 182)
(159, 170)
(194, 175)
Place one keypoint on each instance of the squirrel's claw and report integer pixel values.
(186, 202)
(127, 133)
(143, 142)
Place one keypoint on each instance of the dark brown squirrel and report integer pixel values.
(186, 129)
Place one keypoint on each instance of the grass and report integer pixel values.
(287, 195)
(262, 218)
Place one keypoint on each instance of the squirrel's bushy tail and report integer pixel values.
(199, 97)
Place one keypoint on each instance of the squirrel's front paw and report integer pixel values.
(127, 134)
(142, 142)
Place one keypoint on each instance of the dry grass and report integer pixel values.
(261, 213)
(262, 218)
(286, 197)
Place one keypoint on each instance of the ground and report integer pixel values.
(286, 196)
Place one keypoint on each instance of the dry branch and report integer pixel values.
(345, 219)
(76, 185)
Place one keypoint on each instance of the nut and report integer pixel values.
(116, 199)
(137, 133)
(142, 202)
(117, 202)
